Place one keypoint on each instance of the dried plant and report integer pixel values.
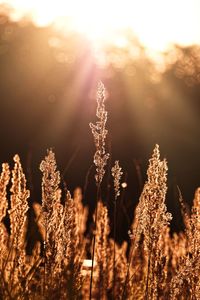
(102, 252)
(4, 180)
(116, 173)
(62, 240)
(187, 275)
(52, 210)
(152, 219)
(158, 265)
(99, 132)
(15, 269)
(18, 225)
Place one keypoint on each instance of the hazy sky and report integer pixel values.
(157, 23)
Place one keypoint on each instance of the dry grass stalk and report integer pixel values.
(14, 268)
(151, 221)
(186, 280)
(99, 132)
(4, 180)
(18, 224)
(101, 252)
(63, 249)
(116, 173)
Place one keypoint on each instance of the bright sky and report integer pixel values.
(157, 23)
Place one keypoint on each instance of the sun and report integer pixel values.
(157, 24)
(98, 20)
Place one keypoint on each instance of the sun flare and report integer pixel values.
(157, 24)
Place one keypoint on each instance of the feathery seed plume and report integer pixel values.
(117, 173)
(99, 132)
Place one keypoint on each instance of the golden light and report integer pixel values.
(124, 185)
(157, 24)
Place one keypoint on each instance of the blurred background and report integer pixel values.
(52, 54)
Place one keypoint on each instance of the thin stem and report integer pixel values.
(147, 279)
(94, 240)
(139, 174)
(45, 260)
(127, 274)
(114, 254)
(87, 180)
(129, 264)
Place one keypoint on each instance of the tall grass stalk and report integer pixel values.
(116, 173)
(99, 132)
(94, 240)
(128, 268)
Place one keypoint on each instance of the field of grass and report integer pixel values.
(66, 264)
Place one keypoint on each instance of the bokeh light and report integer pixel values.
(157, 24)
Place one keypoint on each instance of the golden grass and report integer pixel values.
(157, 265)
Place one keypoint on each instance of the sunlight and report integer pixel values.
(157, 24)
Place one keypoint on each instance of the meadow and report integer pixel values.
(66, 264)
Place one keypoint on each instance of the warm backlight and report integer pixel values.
(156, 23)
